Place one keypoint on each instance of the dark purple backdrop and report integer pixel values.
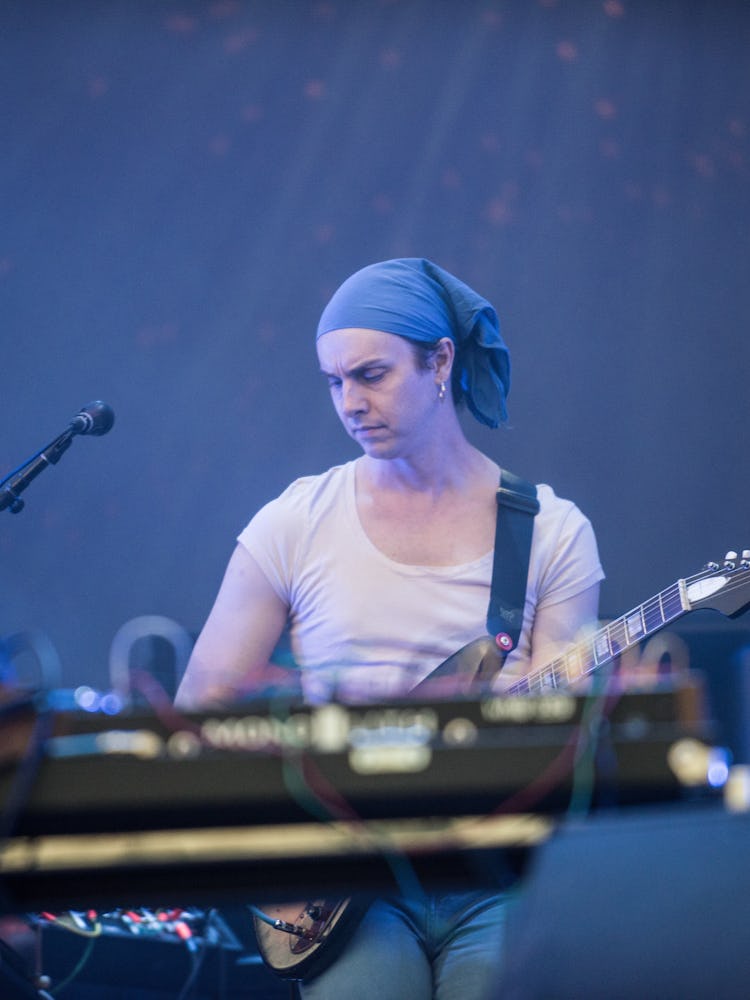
(184, 183)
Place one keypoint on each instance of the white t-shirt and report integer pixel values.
(364, 626)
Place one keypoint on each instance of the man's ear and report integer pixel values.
(443, 358)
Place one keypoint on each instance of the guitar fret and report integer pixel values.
(672, 603)
(549, 677)
(584, 659)
(546, 678)
(602, 649)
(705, 589)
(521, 686)
(618, 639)
(653, 615)
(634, 628)
(572, 664)
(587, 659)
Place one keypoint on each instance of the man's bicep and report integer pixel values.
(557, 626)
(240, 634)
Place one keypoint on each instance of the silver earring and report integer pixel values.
(441, 392)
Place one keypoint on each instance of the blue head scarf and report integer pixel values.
(416, 299)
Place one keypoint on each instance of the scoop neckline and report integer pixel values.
(440, 570)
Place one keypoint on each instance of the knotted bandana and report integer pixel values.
(416, 299)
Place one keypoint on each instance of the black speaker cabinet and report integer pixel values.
(653, 905)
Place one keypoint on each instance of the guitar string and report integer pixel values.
(548, 676)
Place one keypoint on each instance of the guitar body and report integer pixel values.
(468, 671)
(321, 928)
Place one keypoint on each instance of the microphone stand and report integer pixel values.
(21, 477)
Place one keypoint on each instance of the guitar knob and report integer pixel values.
(730, 559)
(712, 567)
(745, 558)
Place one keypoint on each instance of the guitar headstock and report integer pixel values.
(723, 587)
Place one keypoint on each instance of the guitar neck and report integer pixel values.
(602, 646)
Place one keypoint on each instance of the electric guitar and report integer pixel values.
(298, 940)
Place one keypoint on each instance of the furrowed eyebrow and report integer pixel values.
(358, 369)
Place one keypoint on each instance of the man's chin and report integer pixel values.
(379, 449)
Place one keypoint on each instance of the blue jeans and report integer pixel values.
(437, 947)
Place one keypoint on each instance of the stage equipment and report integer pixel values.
(276, 800)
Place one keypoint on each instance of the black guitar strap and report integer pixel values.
(517, 506)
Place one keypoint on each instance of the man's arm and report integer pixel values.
(232, 653)
(558, 626)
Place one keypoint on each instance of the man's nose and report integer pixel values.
(353, 398)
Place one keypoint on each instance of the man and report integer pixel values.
(382, 567)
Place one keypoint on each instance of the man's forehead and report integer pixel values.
(355, 348)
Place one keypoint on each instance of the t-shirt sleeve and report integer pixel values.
(568, 556)
(273, 537)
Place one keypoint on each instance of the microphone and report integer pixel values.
(94, 418)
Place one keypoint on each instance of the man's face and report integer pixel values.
(383, 399)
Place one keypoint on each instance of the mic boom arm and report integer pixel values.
(95, 418)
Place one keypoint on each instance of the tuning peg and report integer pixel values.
(745, 559)
(712, 567)
(730, 559)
